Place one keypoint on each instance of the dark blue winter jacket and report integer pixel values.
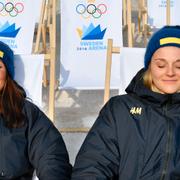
(135, 137)
(36, 146)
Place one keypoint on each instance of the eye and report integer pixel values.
(177, 65)
(161, 66)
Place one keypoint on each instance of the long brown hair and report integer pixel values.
(12, 98)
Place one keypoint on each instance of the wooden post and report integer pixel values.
(124, 13)
(129, 17)
(144, 21)
(110, 51)
(139, 16)
(133, 29)
(74, 130)
(38, 37)
(47, 29)
(108, 70)
(168, 7)
(52, 62)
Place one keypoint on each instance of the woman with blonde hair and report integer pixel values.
(137, 135)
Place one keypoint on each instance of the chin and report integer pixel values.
(170, 91)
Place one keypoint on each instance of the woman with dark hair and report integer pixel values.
(137, 135)
(28, 139)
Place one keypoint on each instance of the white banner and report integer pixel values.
(37, 10)
(131, 61)
(157, 12)
(17, 22)
(85, 27)
(29, 73)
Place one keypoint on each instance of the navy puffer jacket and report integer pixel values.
(135, 137)
(36, 146)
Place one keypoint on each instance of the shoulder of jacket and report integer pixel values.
(29, 103)
(124, 103)
(120, 99)
(34, 113)
(115, 104)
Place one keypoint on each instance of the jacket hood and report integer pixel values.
(138, 88)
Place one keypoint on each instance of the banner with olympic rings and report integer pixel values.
(157, 12)
(17, 23)
(85, 27)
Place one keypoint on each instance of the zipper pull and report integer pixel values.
(2, 173)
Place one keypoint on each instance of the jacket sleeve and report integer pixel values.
(46, 148)
(99, 156)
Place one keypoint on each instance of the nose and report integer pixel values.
(170, 71)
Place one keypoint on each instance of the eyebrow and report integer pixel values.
(162, 59)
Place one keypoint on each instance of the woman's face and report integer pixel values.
(165, 69)
(2, 75)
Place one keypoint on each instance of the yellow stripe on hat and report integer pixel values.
(169, 40)
(1, 54)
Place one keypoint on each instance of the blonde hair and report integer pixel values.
(147, 78)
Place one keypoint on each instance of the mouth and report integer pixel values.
(170, 81)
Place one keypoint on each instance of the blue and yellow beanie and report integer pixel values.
(166, 36)
(7, 57)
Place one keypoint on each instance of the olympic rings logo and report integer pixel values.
(91, 10)
(12, 9)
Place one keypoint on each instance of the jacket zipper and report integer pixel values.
(168, 146)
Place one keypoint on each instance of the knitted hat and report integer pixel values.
(166, 36)
(7, 57)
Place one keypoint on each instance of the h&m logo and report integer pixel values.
(136, 110)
